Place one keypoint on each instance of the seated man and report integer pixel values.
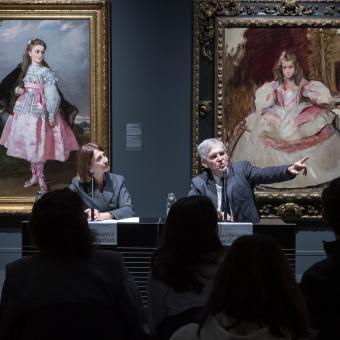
(230, 184)
(320, 284)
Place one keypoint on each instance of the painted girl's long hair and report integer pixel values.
(288, 56)
(26, 62)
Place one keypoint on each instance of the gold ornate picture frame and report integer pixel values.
(236, 47)
(77, 34)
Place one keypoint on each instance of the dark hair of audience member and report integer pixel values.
(255, 283)
(85, 156)
(59, 225)
(330, 198)
(189, 240)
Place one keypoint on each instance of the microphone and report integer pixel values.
(92, 193)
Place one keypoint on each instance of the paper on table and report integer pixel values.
(127, 220)
(230, 231)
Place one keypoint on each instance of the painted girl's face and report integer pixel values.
(37, 54)
(288, 70)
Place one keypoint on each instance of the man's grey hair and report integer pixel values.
(204, 147)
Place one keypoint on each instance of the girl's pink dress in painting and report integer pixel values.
(287, 126)
(27, 133)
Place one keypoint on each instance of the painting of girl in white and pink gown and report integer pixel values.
(35, 130)
(293, 117)
(45, 103)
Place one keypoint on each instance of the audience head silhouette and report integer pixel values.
(192, 223)
(255, 284)
(59, 225)
(189, 240)
(330, 198)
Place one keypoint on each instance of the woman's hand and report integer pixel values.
(96, 214)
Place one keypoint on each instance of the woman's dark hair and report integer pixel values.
(85, 156)
(59, 225)
(255, 283)
(189, 240)
(288, 56)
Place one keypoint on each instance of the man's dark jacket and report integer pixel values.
(241, 178)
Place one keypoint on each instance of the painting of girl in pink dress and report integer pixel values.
(293, 118)
(35, 129)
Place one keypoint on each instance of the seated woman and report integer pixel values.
(254, 296)
(111, 199)
(69, 271)
(184, 265)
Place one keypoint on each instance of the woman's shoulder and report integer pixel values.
(115, 178)
(79, 186)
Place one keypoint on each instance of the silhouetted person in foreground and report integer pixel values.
(254, 297)
(320, 284)
(69, 270)
(184, 265)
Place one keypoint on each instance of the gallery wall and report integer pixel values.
(151, 86)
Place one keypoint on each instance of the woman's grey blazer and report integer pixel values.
(114, 199)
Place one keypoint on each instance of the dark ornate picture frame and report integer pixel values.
(213, 115)
(95, 14)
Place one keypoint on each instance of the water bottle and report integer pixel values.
(171, 199)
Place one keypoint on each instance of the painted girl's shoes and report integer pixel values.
(42, 184)
(34, 178)
(31, 182)
(37, 177)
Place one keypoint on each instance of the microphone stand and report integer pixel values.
(92, 194)
(225, 179)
